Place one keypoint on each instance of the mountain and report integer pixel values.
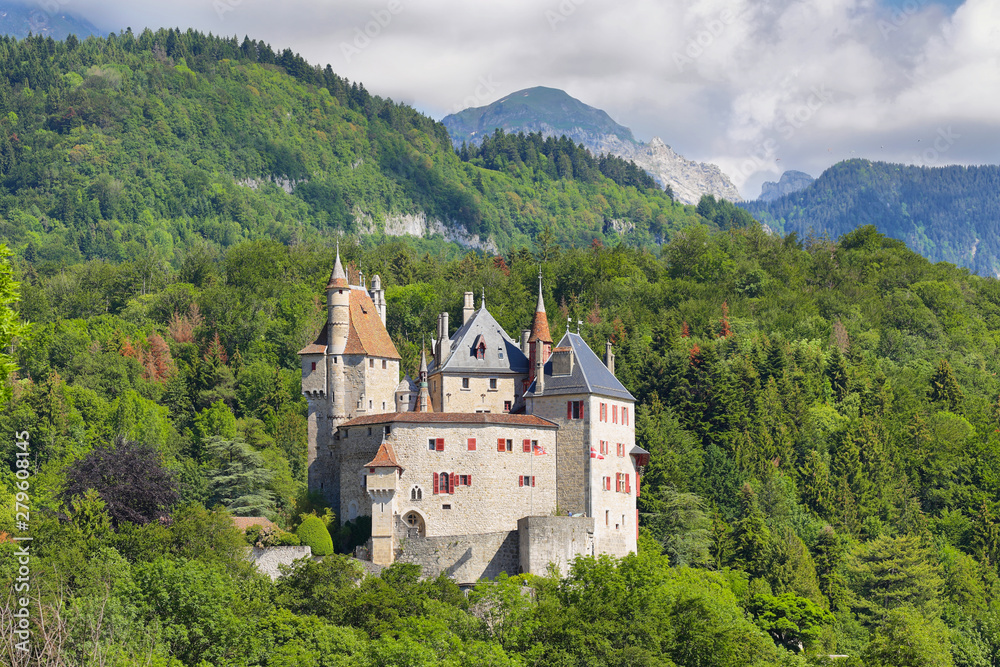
(947, 214)
(167, 139)
(19, 20)
(790, 181)
(554, 113)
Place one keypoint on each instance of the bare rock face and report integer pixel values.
(688, 179)
(790, 181)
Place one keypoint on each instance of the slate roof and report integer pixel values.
(589, 376)
(385, 458)
(449, 418)
(366, 334)
(461, 356)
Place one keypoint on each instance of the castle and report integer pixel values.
(502, 456)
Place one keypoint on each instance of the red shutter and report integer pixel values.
(637, 520)
(526, 445)
(440, 444)
(532, 480)
(435, 482)
(618, 482)
(468, 480)
(472, 444)
(520, 480)
(581, 409)
(569, 409)
(451, 482)
(500, 445)
(628, 483)
(638, 484)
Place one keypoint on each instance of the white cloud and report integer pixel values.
(757, 87)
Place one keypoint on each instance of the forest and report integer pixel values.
(823, 418)
(945, 213)
(823, 414)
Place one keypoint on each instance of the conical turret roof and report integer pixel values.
(339, 277)
(540, 325)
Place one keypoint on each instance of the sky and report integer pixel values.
(757, 87)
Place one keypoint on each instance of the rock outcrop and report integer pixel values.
(790, 181)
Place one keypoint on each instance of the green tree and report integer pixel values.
(10, 325)
(313, 533)
(240, 478)
(793, 622)
(889, 572)
(944, 387)
(908, 639)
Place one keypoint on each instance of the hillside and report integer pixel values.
(947, 214)
(822, 420)
(553, 113)
(162, 138)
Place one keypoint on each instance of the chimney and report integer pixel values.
(525, 345)
(468, 309)
(539, 367)
(443, 341)
(609, 358)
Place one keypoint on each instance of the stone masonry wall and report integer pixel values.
(493, 502)
(464, 558)
(553, 539)
(572, 450)
(478, 396)
(613, 511)
(268, 559)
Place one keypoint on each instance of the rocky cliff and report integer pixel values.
(790, 181)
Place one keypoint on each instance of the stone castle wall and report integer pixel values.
(464, 558)
(478, 397)
(572, 450)
(557, 540)
(494, 501)
(613, 510)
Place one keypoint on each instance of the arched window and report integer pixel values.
(416, 493)
(443, 483)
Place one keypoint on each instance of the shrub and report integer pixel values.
(314, 534)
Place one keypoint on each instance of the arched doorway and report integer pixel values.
(415, 526)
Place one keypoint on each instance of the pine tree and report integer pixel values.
(944, 387)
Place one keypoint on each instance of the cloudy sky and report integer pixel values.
(756, 87)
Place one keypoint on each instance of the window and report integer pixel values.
(383, 406)
(618, 482)
(493, 383)
(445, 482)
(371, 363)
(384, 364)
(369, 404)
(472, 444)
(314, 365)
(574, 410)
(431, 444)
(607, 483)
(604, 412)
(465, 383)
(506, 406)
(607, 517)
(614, 414)
(416, 493)
(369, 430)
(387, 430)
(505, 445)
(465, 480)
(526, 480)
(625, 416)
(481, 351)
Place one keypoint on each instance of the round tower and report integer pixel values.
(338, 304)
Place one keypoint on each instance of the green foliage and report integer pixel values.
(793, 622)
(908, 639)
(10, 326)
(313, 533)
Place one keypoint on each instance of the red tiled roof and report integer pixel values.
(318, 346)
(244, 522)
(451, 418)
(540, 328)
(367, 334)
(386, 458)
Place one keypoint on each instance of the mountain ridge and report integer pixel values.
(553, 112)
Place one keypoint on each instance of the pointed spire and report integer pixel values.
(338, 278)
(540, 325)
(484, 297)
(423, 365)
(540, 308)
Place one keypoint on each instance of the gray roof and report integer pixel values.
(461, 356)
(589, 376)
